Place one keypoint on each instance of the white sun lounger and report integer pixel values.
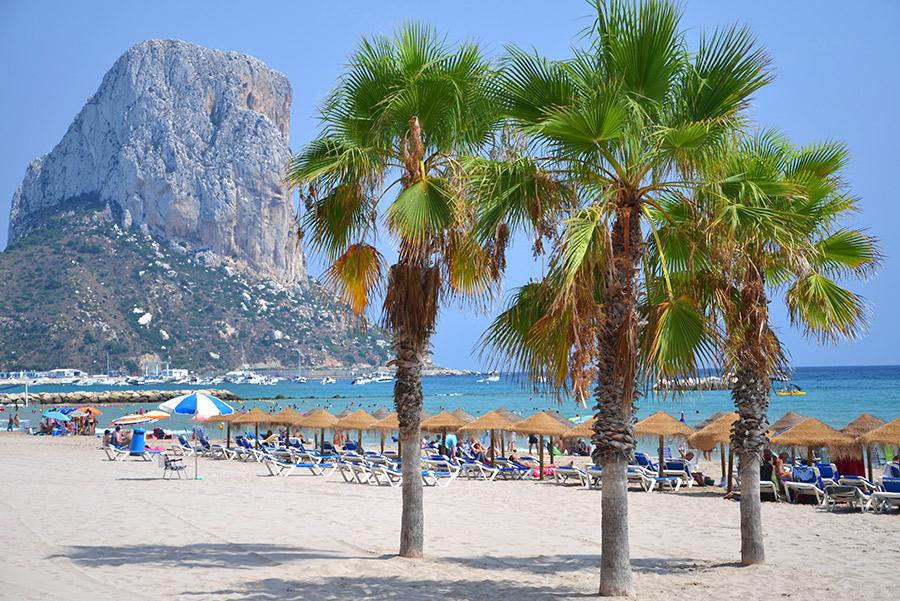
(114, 453)
(565, 473)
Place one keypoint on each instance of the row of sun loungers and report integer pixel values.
(820, 483)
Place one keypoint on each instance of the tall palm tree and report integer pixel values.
(405, 114)
(621, 125)
(769, 222)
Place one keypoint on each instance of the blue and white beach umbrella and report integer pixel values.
(201, 405)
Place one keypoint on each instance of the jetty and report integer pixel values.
(106, 397)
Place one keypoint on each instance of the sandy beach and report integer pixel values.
(80, 527)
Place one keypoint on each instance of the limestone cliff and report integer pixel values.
(187, 143)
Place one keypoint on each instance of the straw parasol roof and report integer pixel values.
(254, 416)
(709, 420)
(287, 416)
(583, 430)
(443, 421)
(662, 424)
(344, 413)
(317, 419)
(788, 420)
(886, 434)
(380, 413)
(511, 416)
(390, 421)
(715, 432)
(223, 418)
(812, 433)
(863, 424)
(466, 417)
(543, 424)
(492, 420)
(358, 420)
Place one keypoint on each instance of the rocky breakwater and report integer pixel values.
(106, 397)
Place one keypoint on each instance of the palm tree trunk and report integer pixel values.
(751, 398)
(408, 402)
(615, 395)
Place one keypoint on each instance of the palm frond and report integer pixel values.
(356, 275)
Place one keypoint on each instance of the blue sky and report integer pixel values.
(836, 66)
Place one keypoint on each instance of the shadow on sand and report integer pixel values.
(203, 555)
(390, 589)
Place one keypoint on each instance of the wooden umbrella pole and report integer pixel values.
(443, 442)
(492, 448)
(541, 455)
(551, 449)
(809, 456)
(722, 453)
(793, 456)
(730, 466)
(359, 441)
(322, 439)
(869, 462)
(257, 436)
(662, 457)
(228, 435)
(382, 442)
(502, 444)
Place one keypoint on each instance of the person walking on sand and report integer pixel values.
(9, 424)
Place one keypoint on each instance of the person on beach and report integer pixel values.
(779, 464)
(9, 424)
(107, 438)
(532, 443)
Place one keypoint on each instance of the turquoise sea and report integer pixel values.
(836, 395)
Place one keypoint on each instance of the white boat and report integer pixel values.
(300, 380)
(492, 377)
(328, 381)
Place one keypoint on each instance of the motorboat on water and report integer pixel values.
(491, 377)
(328, 381)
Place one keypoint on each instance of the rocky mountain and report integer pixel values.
(188, 142)
(159, 228)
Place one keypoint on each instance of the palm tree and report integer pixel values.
(407, 111)
(622, 125)
(770, 221)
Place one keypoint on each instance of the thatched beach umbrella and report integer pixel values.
(812, 434)
(583, 430)
(443, 422)
(664, 426)
(492, 421)
(390, 423)
(716, 432)
(463, 415)
(227, 420)
(380, 413)
(318, 419)
(542, 424)
(864, 424)
(287, 417)
(359, 420)
(788, 420)
(255, 416)
(887, 434)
